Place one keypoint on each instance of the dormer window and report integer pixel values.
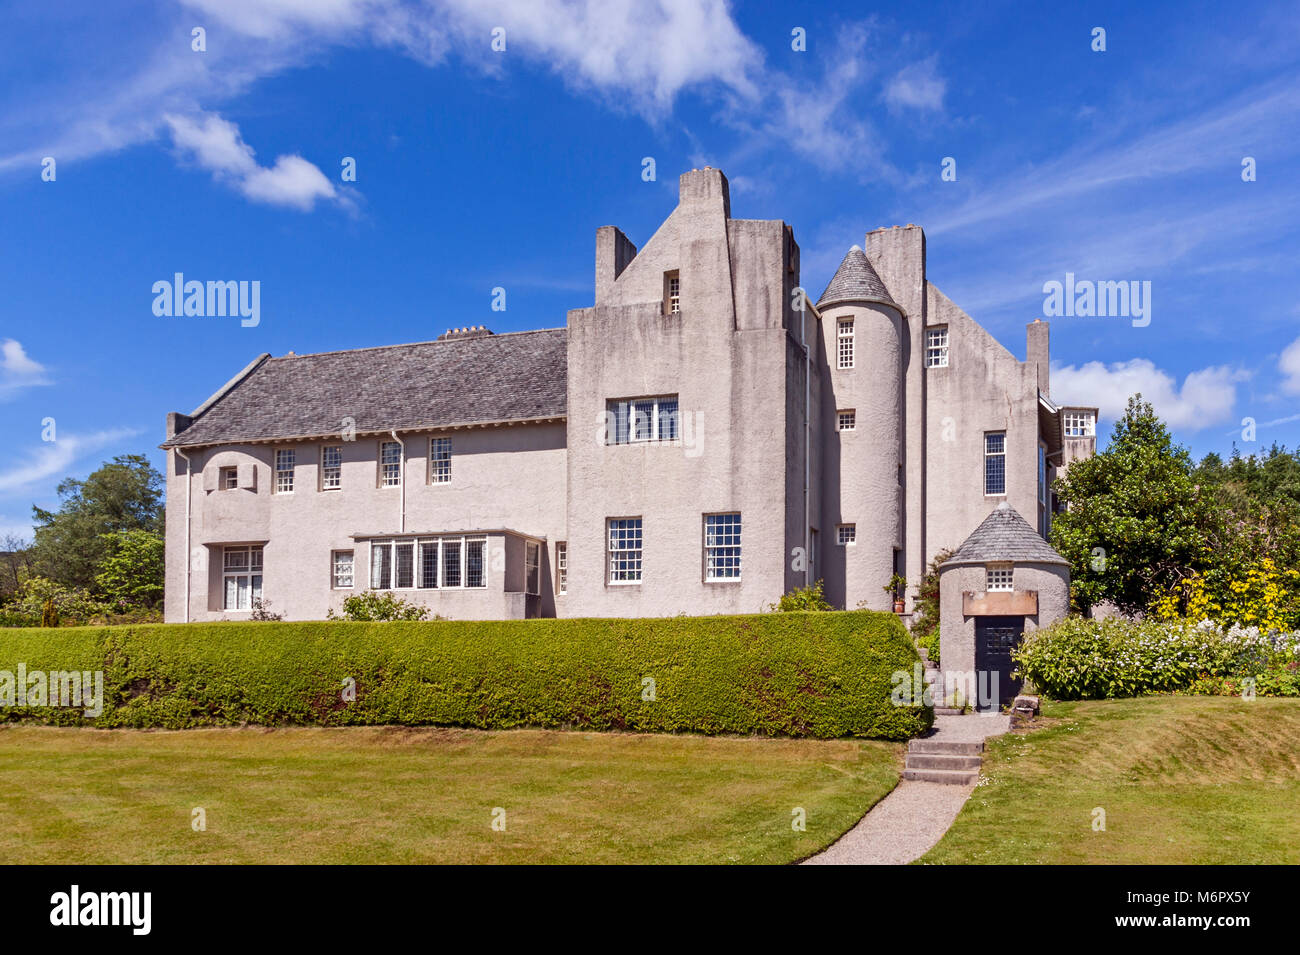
(672, 293)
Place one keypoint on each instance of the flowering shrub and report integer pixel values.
(375, 605)
(1097, 659)
(1255, 595)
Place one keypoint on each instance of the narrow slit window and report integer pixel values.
(995, 463)
(844, 343)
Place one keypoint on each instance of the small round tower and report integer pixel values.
(862, 327)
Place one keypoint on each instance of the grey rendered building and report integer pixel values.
(701, 440)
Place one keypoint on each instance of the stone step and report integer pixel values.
(942, 747)
(948, 776)
(946, 711)
(941, 761)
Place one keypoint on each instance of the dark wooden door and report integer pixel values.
(995, 638)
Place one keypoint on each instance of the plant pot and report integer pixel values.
(899, 606)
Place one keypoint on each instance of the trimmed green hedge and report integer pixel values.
(790, 674)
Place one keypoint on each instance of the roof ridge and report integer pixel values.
(435, 341)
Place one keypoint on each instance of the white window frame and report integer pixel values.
(846, 419)
(440, 460)
(999, 577)
(1080, 424)
(561, 567)
(990, 457)
(285, 461)
(625, 550)
(228, 478)
(723, 547)
(936, 347)
(331, 475)
(441, 546)
(338, 571)
(846, 535)
(844, 334)
(252, 570)
(390, 472)
(673, 292)
(655, 419)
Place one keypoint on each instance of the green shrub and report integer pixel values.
(928, 641)
(50, 601)
(1097, 659)
(798, 674)
(379, 605)
(802, 598)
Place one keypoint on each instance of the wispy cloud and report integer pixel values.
(216, 145)
(18, 371)
(637, 57)
(644, 53)
(916, 86)
(1289, 364)
(56, 458)
(1206, 397)
(1195, 143)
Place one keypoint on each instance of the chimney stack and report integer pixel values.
(1038, 352)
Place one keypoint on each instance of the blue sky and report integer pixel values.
(479, 168)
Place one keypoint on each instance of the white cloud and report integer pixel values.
(17, 370)
(215, 144)
(1289, 365)
(916, 86)
(55, 458)
(643, 53)
(1207, 397)
(632, 56)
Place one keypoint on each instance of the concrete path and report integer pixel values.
(910, 820)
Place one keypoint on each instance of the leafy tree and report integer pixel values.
(15, 564)
(1137, 524)
(131, 573)
(125, 494)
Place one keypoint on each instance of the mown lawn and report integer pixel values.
(402, 795)
(1182, 780)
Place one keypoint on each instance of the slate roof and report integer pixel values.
(856, 281)
(510, 377)
(1005, 535)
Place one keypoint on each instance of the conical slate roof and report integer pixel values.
(856, 281)
(1005, 535)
